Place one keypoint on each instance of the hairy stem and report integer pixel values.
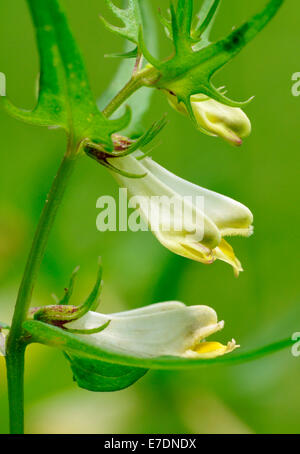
(16, 343)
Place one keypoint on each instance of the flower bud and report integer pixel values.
(216, 119)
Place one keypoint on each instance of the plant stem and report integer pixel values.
(16, 344)
(15, 375)
(145, 77)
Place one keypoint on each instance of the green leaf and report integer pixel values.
(205, 22)
(51, 105)
(99, 376)
(181, 25)
(131, 18)
(200, 27)
(83, 346)
(139, 101)
(190, 70)
(65, 98)
(226, 49)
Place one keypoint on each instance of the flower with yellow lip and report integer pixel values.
(216, 119)
(162, 329)
(196, 230)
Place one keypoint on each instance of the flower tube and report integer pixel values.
(162, 329)
(189, 220)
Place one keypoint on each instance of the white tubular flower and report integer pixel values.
(187, 219)
(162, 329)
(217, 119)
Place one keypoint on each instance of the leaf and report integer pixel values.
(99, 376)
(229, 47)
(84, 347)
(51, 105)
(65, 98)
(139, 101)
(131, 18)
(190, 70)
(206, 19)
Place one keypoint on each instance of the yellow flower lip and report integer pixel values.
(201, 348)
(211, 349)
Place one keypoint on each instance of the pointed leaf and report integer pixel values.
(65, 98)
(50, 109)
(205, 23)
(184, 18)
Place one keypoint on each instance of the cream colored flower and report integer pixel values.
(187, 219)
(216, 119)
(162, 329)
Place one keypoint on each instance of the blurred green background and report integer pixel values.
(261, 306)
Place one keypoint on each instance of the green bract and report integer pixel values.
(189, 71)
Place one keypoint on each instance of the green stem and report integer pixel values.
(145, 77)
(15, 375)
(16, 343)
